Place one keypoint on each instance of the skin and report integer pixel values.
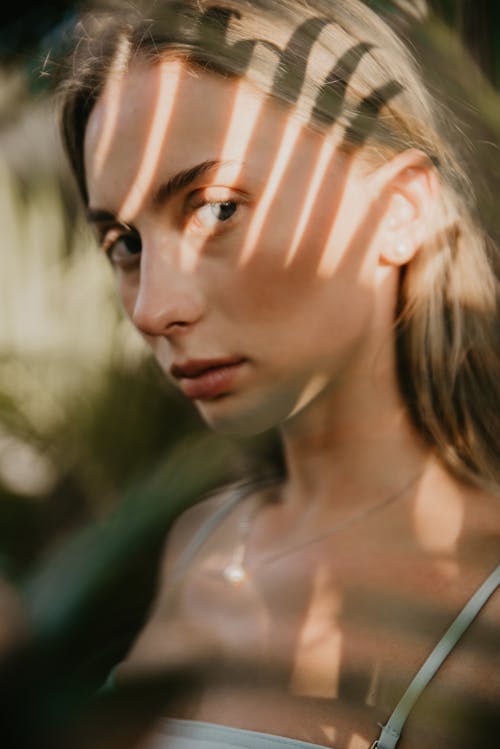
(314, 327)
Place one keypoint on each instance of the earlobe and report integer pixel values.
(400, 254)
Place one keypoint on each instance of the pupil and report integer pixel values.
(225, 210)
(132, 243)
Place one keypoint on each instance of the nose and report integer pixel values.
(168, 300)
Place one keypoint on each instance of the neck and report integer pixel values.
(355, 443)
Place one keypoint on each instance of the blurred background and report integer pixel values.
(93, 441)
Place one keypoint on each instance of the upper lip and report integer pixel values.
(196, 367)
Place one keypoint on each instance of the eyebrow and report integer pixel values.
(174, 185)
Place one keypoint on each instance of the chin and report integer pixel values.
(227, 416)
(238, 425)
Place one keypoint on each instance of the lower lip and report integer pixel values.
(212, 383)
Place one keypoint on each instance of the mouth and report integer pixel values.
(206, 379)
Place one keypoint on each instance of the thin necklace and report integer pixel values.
(235, 571)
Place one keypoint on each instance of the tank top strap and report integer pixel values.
(391, 732)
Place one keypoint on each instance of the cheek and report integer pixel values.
(303, 244)
(295, 289)
(295, 316)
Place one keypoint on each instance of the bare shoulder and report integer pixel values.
(478, 568)
(479, 545)
(459, 521)
(190, 522)
(484, 546)
(163, 637)
(477, 549)
(195, 525)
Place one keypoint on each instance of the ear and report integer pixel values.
(409, 187)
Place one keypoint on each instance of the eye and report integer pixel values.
(123, 250)
(209, 215)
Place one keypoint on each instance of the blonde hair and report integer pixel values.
(340, 65)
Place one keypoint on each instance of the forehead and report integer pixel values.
(156, 120)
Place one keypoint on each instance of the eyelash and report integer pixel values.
(110, 243)
(114, 236)
(197, 208)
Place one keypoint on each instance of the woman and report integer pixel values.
(297, 243)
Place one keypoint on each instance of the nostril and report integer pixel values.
(173, 326)
(163, 305)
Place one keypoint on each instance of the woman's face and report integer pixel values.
(244, 245)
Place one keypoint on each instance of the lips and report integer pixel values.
(204, 379)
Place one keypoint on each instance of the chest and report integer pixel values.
(332, 642)
(319, 620)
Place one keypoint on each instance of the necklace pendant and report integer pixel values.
(234, 573)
